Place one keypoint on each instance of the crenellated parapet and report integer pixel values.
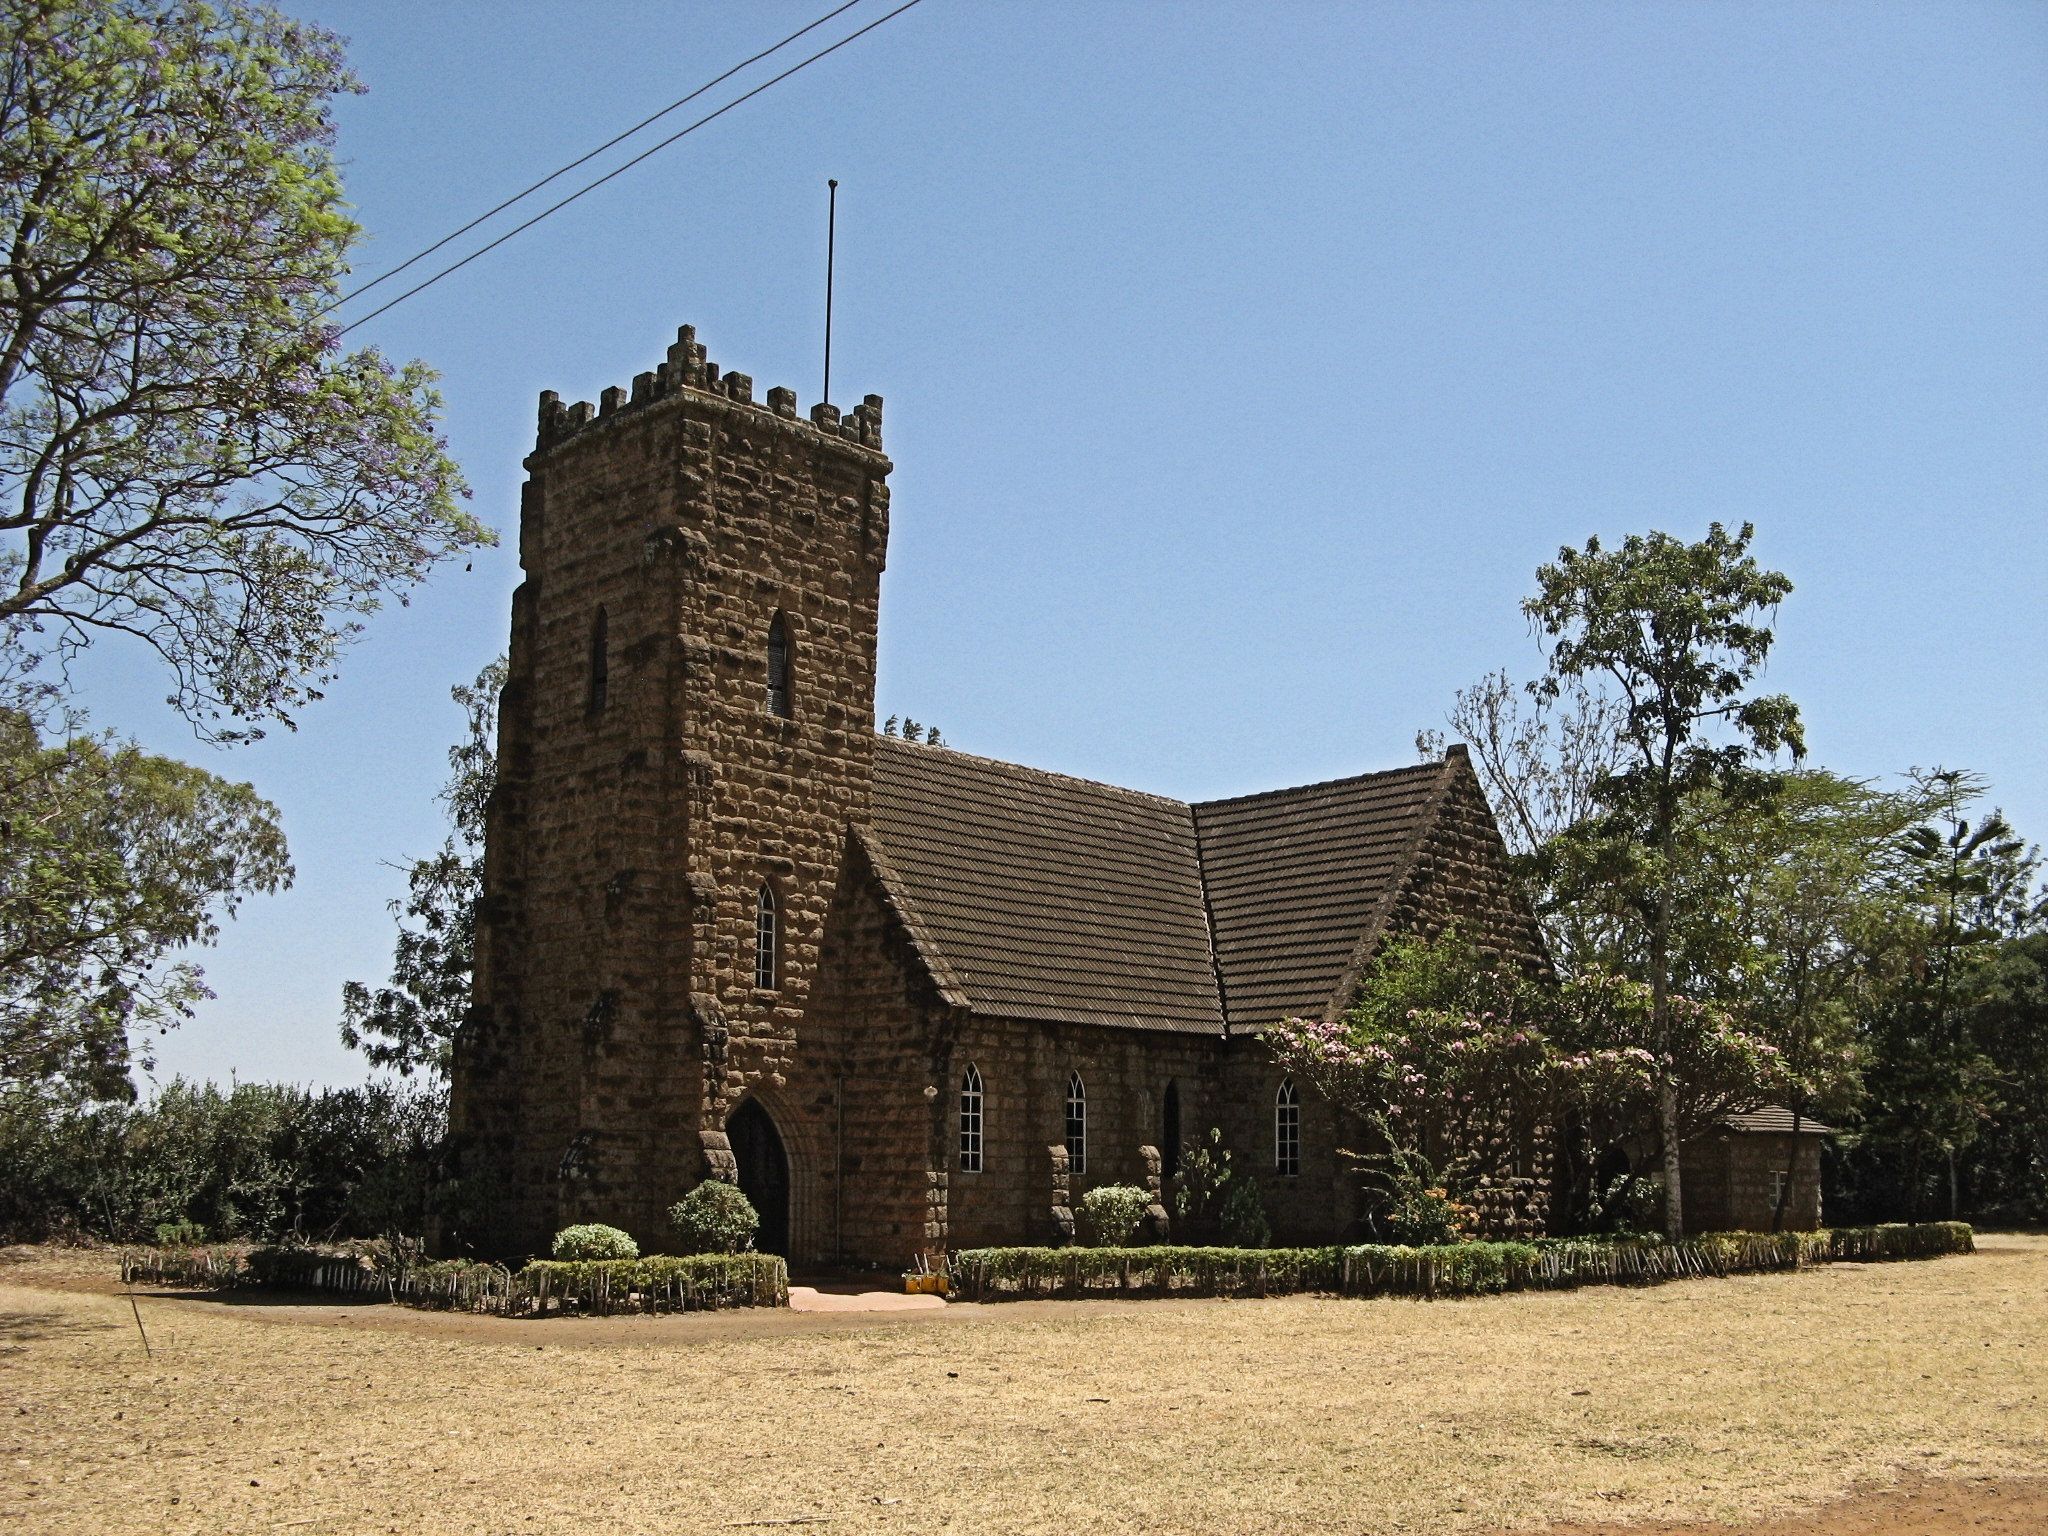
(686, 368)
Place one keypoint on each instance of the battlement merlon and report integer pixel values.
(687, 369)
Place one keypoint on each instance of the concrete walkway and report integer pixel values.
(807, 1298)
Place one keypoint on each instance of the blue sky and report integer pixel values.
(1242, 363)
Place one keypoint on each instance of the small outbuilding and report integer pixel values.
(1750, 1167)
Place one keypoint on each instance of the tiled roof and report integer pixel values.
(1298, 878)
(1049, 897)
(1040, 896)
(1776, 1120)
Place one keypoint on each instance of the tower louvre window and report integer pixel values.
(600, 663)
(1077, 1126)
(779, 699)
(970, 1119)
(766, 936)
(1287, 1129)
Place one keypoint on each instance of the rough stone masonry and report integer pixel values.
(908, 998)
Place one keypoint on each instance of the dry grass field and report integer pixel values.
(1707, 1401)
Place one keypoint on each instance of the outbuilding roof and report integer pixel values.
(1776, 1120)
(1040, 896)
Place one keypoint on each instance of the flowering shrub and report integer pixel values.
(1428, 1216)
(1465, 1067)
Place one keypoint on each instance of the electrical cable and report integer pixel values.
(561, 171)
(622, 169)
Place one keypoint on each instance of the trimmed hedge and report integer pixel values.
(545, 1287)
(658, 1283)
(1456, 1269)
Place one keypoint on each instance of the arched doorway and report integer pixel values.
(764, 1172)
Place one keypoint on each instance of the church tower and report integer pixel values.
(686, 736)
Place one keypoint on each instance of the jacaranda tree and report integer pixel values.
(189, 458)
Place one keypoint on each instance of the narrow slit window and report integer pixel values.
(970, 1120)
(600, 663)
(1077, 1126)
(1169, 1131)
(778, 669)
(1287, 1129)
(767, 932)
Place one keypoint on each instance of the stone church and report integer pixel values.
(909, 998)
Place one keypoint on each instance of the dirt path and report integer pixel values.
(1976, 1506)
(1904, 1398)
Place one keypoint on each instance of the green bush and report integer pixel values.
(1431, 1270)
(715, 1217)
(179, 1234)
(658, 1283)
(1244, 1216)
(249, 1162)
(990, 1273)
(1111, 1214)
(1421, 1216)
(594, 1241)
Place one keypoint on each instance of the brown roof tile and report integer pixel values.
(1296, 878)
(1777, 1120)
(1049, 897)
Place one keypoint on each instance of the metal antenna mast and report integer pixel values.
(831, 235)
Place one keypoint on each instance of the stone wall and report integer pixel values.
(1024, 1069)
(1458, 874)
(616, 1022)
(1731, 1180)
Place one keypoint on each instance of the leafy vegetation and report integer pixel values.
(112, 862)
(188, 459)
(1876, 949)
(413, 1024)
(254, 1162)
(715, 1217)
(1455, 1269)
(593, 1241)
(1111, 1214)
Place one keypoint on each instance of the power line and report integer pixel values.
(680, 133)
(559, 172)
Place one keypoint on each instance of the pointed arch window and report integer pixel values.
(767, 936)
(1169, 1131)
(600, 663)
(1077, 1126)
(970, 1119)
(779, 680)
(1287, 1129)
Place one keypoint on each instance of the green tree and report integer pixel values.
(1675, 630)
(187, 456)
(1934, 1089)
(412, 1024)
(1468, 1071)
(2009, 1021)
(112, 861)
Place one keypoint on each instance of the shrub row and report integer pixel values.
(1455, 1269)
(544, 1287)
(660, 1283)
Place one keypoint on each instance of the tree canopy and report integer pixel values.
(188, 457)
(411, 1025)
(1676, 631)
(112, 861)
